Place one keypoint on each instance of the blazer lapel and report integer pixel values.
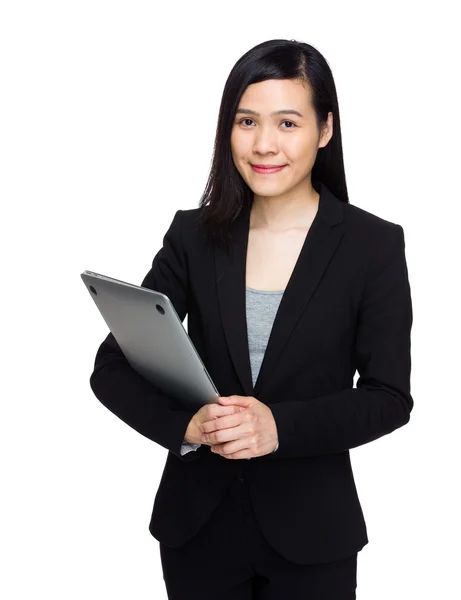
(319, 246)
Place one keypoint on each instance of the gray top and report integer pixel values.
(261, 308)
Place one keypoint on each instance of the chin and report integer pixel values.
(273, 187)
(268, 193)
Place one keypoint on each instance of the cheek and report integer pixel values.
(237, 159)
(300, 150)
(238, 147)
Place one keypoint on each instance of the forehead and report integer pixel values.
(276, 94)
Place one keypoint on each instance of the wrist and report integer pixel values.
(193, 435)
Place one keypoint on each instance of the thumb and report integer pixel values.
(237, 400)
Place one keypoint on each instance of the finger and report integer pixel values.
(224, 422)
(239, 454)
(222, 436)
(218, 411)
(234, 449)
(213, 412)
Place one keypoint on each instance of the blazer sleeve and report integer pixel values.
(121, 389)
(381, 401)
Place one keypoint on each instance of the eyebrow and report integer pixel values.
(287, 111)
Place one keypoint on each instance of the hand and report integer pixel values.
(207, 412)
(248, 434)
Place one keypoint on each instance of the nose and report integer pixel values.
(265, 141)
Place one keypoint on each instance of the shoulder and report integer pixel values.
(370, 230)
(358, 218)
(190, 219)
(191, 215)
(193, 234)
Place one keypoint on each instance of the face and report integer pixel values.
(261, 137)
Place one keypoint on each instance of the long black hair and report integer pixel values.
(226, 192)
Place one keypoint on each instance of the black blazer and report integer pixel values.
(347, 307)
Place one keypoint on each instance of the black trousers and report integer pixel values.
(230, 559)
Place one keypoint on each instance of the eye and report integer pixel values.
(291, 123)
(241, 120)
(251, 120)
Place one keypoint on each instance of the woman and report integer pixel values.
(289, 289)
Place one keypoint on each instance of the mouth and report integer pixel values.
(266, 169)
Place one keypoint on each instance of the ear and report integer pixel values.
(327, 131)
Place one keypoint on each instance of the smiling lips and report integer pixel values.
(266, 169)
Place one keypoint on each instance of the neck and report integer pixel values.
(285, 211)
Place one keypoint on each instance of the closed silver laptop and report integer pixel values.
(153, 339)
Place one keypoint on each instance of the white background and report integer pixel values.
(108, 114)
